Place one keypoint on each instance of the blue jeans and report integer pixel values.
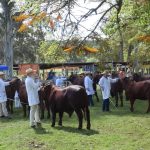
(90, 100)
(106, 104)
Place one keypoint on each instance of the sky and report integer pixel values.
(86, 24)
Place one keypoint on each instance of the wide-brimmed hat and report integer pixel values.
(30, 70)
(105, 72)
(1, 73)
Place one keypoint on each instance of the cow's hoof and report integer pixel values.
(131, 110)
(60, 124)
(79, 128)
(52, 125)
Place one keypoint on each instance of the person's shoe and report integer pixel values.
(2, 116)
(8, 117)
(39, 124)
(33, 126)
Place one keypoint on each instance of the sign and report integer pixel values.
(24, 67)
(3, 67)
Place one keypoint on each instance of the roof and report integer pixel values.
(43, 66)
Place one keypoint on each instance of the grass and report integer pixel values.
(118, 130)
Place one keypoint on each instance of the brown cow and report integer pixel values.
(138, 77)
(69, 99)
(137, 90)
(10, 92)
(21, 89)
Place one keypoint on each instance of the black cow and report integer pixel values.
(69, 99)
(117, 89)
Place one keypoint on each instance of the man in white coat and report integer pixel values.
(88, 83)
(3, 97)
(105, 85)
(33, 98)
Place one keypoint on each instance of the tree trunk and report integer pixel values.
(129, 52)
(120, 52)
(8, 39)
(136, 61)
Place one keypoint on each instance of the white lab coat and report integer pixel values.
(60, 81)
(88, 83)
(3, 97)
(32, 91)
(105, 85)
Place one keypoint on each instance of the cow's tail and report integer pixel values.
(86, 114)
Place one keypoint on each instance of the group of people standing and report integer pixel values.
(105, 85)
(32, 87)
(33, 84)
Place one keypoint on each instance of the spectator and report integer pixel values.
(88, 83)
(105, 85)
(3, 97)
(33, 98)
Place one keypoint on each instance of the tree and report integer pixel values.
(7, 32)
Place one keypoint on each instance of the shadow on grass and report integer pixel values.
(41, 130)
(75, 130)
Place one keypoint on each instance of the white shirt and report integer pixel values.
(60, 81)
(32, 91)
(88, 83)
(3, 97)
(105, 84)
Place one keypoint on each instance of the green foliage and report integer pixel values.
(51, 52)
(134, 22)
(26, 45)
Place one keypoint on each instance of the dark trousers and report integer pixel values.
(106, 104)
(90, 100)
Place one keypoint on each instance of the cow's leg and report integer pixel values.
(148, 110)
(87, 112)
(24, 110)
(60, 118)
(80, 117)
(53, 118)
(48, 109)
(121, 98)
(28, 111)
(7, 105)
(11, 107)
(132, 103)
(116, 98)
(42, 110)
(48, 113)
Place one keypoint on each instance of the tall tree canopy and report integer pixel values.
(115, 30)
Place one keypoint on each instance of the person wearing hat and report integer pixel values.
(32, 88)
(105, 85)
(3, 97)
(88, 84)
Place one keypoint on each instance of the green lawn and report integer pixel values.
(118, 130)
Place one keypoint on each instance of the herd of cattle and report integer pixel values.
(74, 98)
